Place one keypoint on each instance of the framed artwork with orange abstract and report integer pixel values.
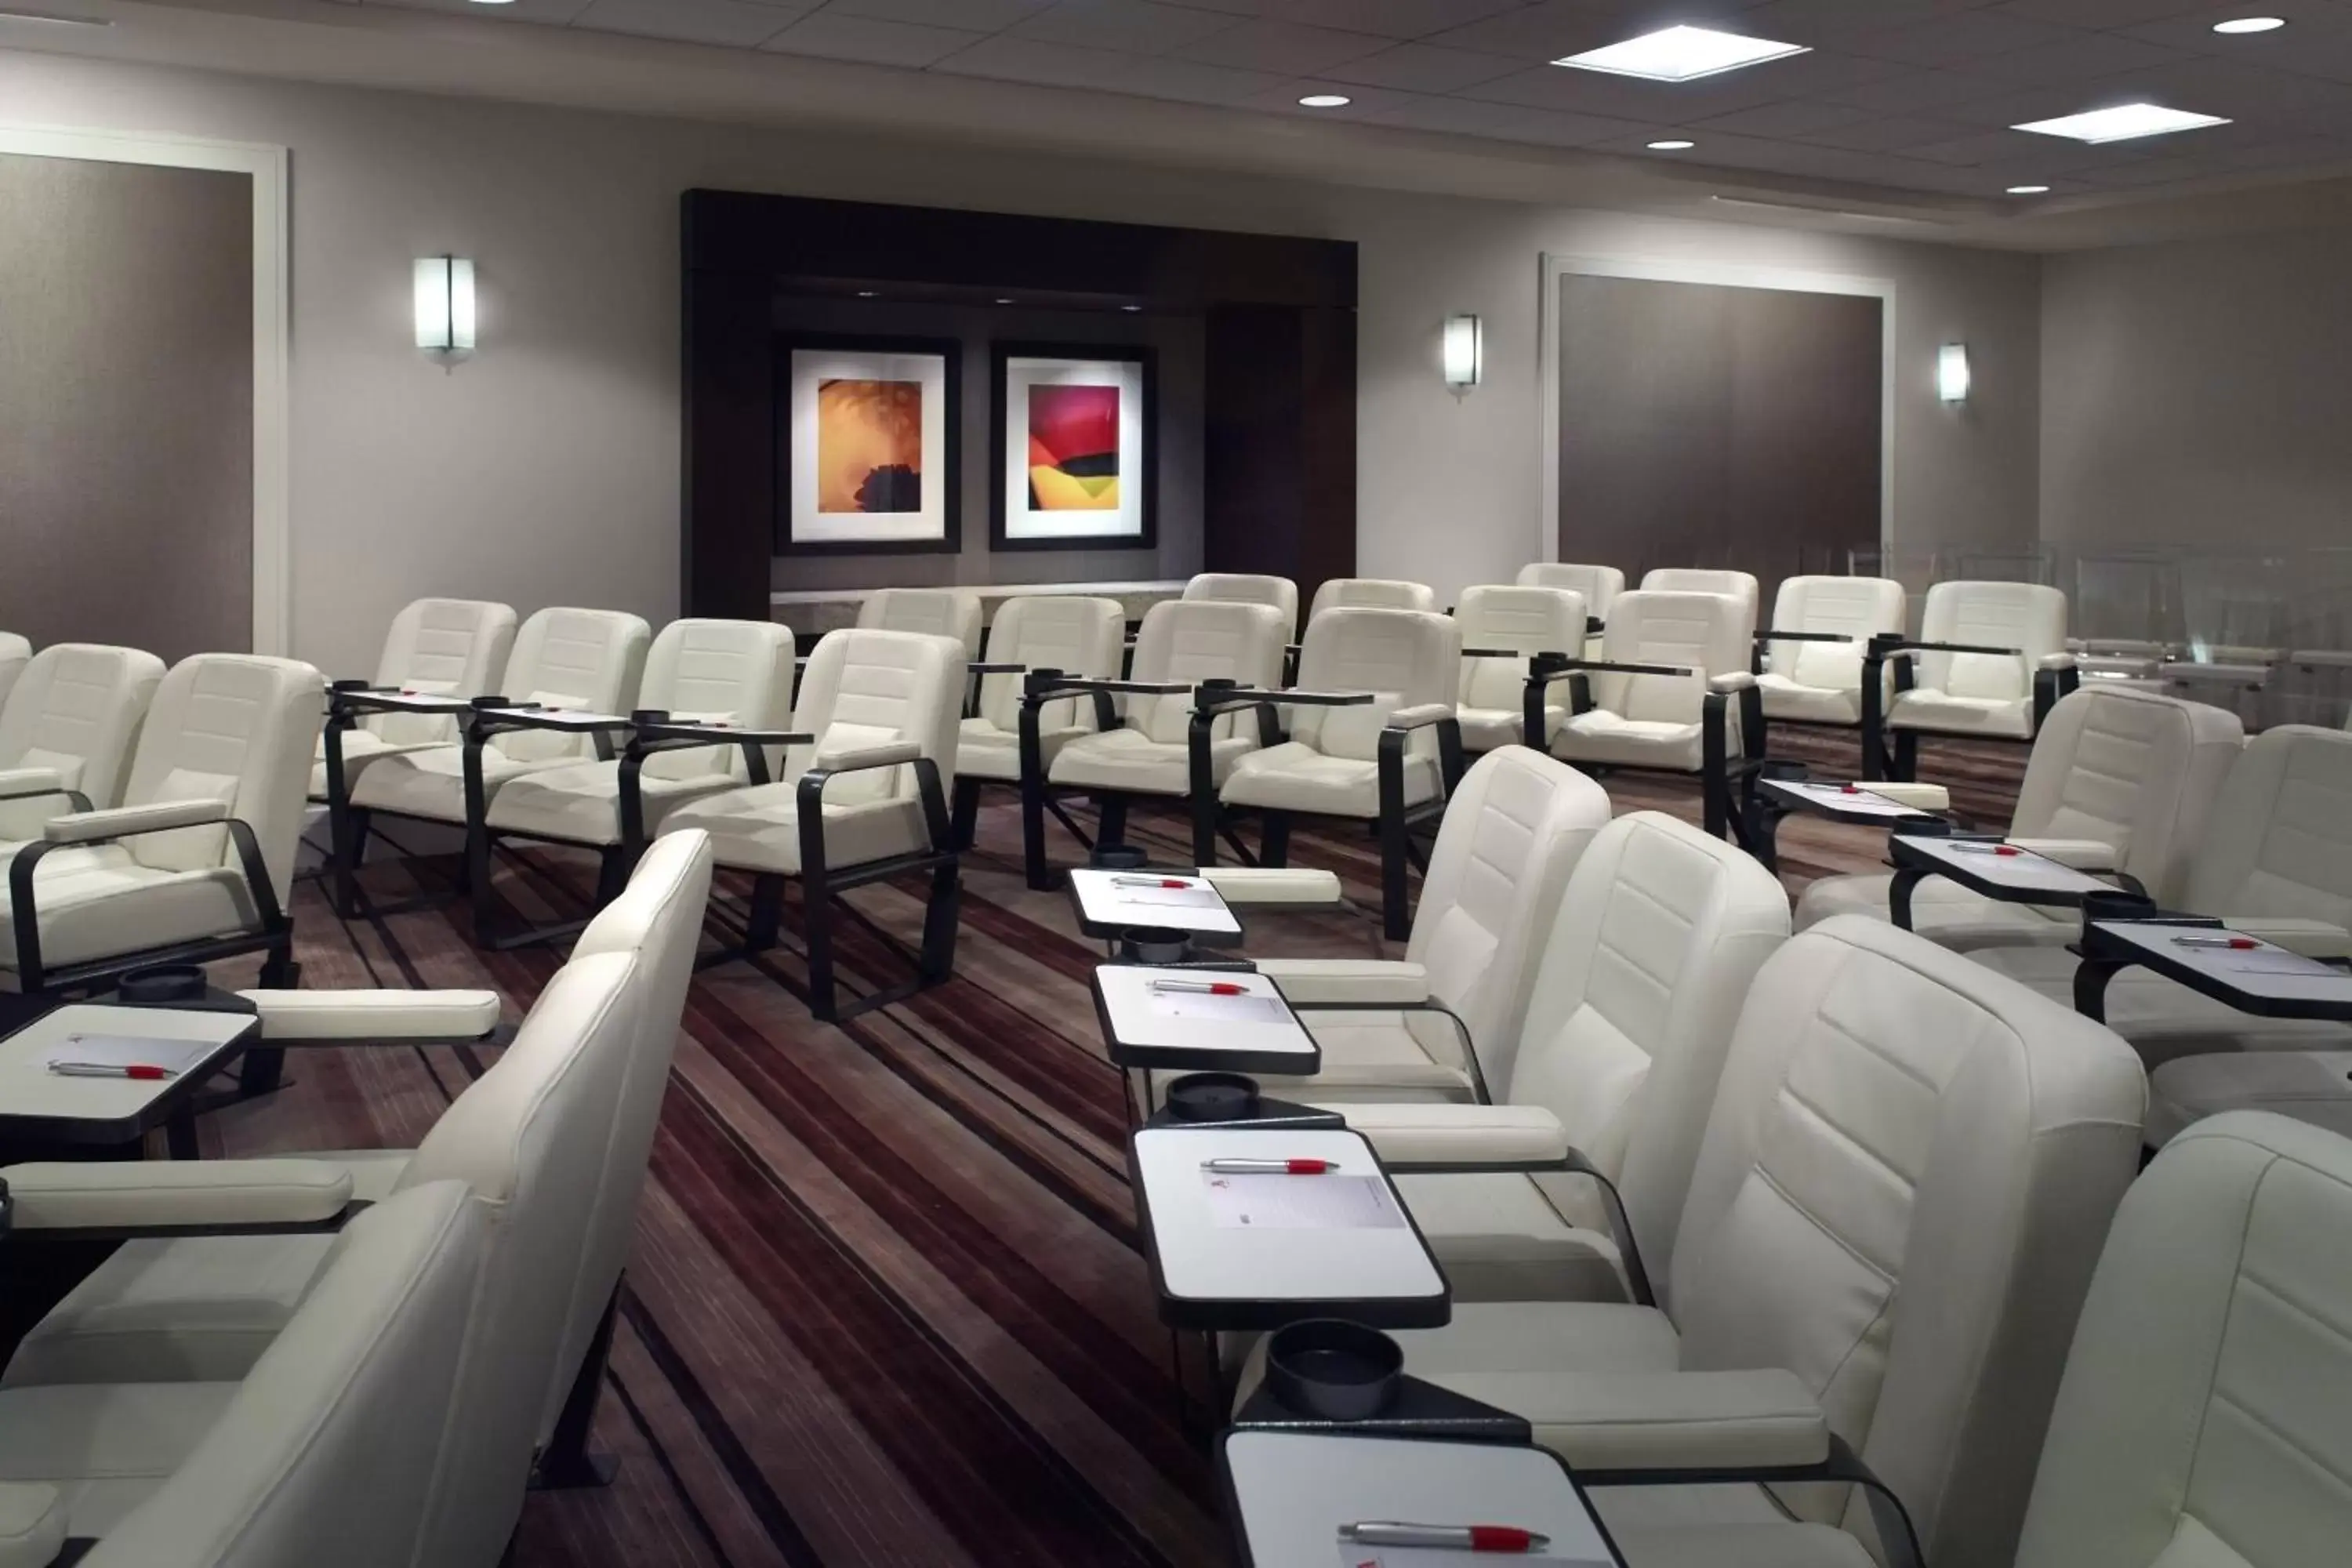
(867, 455)
(1071, 452)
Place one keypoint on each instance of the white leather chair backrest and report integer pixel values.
(2132, 768)
(1704, 632)
(1858, 608)
(530, 1139)
(1599, 584)
(658, 918)
(932, 612)
(1405, 657)
(1900, 1196)
(2279, 838)
(590, 659)
(1196, 641)
(1524, 620)
(863, 689)
(233, 727)
(1642, 971)
(326, 1454)
(1740, 585)
(16, 653)
(1512, 834)
(2024, 615)
(1249, 588)
(740, 671)
(454, 647)
(78, 708)
(1074, 635)
(1370, 594)
(2201, 1420)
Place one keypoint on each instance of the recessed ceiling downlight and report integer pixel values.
(1672, 145)
(1325, 100)
(2250, 24)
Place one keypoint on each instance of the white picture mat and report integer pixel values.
(1021, 521)
(811, 368)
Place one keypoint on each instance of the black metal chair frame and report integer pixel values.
(2048, 686)
(1716, 769)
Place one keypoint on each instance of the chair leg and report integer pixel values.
(1274, 841)
(565, 1464)
(1396, 913)
(940, 923)
(478, 884)
(613, 869)
(1204, 829)
(816, 918)
(964, 819)
(766, 914)
(1112, 833)
(262, 1070)
(350, 836)
(1907, 756)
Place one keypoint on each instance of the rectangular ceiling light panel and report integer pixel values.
(1681, 54)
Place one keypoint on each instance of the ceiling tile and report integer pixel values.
(1010, 58)
(1364, 103)
(1552, 28)
(1808, 21)
(831, 35)
(2094, 13)
(1423, 67)
(2191, 27)
(1791, 119)
(1136, 26)
(2085, 58)
(555, 11)
(1191, 82)
(1290, 47)
(1954, 40)
(1389, 18)
(1510, 122)
(1893, 135)
(694, 21)
(1920, 92)
(1629, 98)
(972, 15)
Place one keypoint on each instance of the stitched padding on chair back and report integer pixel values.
(447, 647)
(658, 917)
(1858, 608)
(1697, 631)
(1526, 621)
(16, 653)
(1074, 634)
(1900, 1197)
(78, 709)
(1642, 971)
(589, 659)
(233, 727)
(327, 1452)
(741, 671)
(1370, 594)
(2278, 841)
(931, 611)
(1196, 641)
(1740, 585)
(1407, 657)
(1249, 588)
(2024, 616)
(2135, 769)
(2202, 1419)
(1599, 584)
(864, 689)
(530, 1137)
(1511, 835)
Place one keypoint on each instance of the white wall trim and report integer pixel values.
(272, 566)
(1729, 274)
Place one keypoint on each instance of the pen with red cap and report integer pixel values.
(1445, 1537)
(1230, 1167)
(1196, 988)
(1173, 883)
(139, 1070)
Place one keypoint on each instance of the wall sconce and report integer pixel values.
(1952, 372)
(1466, 351)
(445, 304)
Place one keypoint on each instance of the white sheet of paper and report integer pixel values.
(1204, 897)
(1836, 798)
(1217, 1009)
(129, 1050)
(1269, 1202)
(1354, 1556)
(2278, 960)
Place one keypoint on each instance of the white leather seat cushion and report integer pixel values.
(759, 829)
(1600, 736)
(1128, 762)
(105, 1447)
(361, 748)
(2160, 1019)
(581, 803)
(97, 902)
(1769, 1546)
(1296, 777)
(1524, 1356)
(431, 783)
(1498, 1238)
(1925, 708)
(1485, 729)
(2310, 1086)
(986, 751)
(1941, 910)
(1378, 1056)
(1784, 699)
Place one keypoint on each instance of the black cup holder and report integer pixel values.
(650, 716)
(1212, 1096)
(163, 984)
(1329, 1369)
(1118, 857)
(1155, 944)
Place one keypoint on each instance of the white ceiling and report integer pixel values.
(1905, 95)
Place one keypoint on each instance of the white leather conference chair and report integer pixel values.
(1249, 588)
(2121, 780)
(1809, 660)
(436, 647)
(1740, 585)
(1660, 697)
(326, 1451)
(194, 864)
(568, 660)
(1516, 624)
(16, 653)
(1439, 1024)
(1638, 977)
(1390, 762)
(1892, 1222)
(1049, 634)
(1157, 751)
(862, 800)
(1599, 584)
(710, 674)
(1991, 659)
(67, 732)
(928, 611)
(1370, 594)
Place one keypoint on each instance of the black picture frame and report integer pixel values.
(950, 350)
(1147, 360)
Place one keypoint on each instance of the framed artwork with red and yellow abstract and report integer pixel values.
(866, 451)
(1072, 454)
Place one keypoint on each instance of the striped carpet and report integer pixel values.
(886, 1305)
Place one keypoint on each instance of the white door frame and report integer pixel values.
(272, 569)
(1556, 267)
